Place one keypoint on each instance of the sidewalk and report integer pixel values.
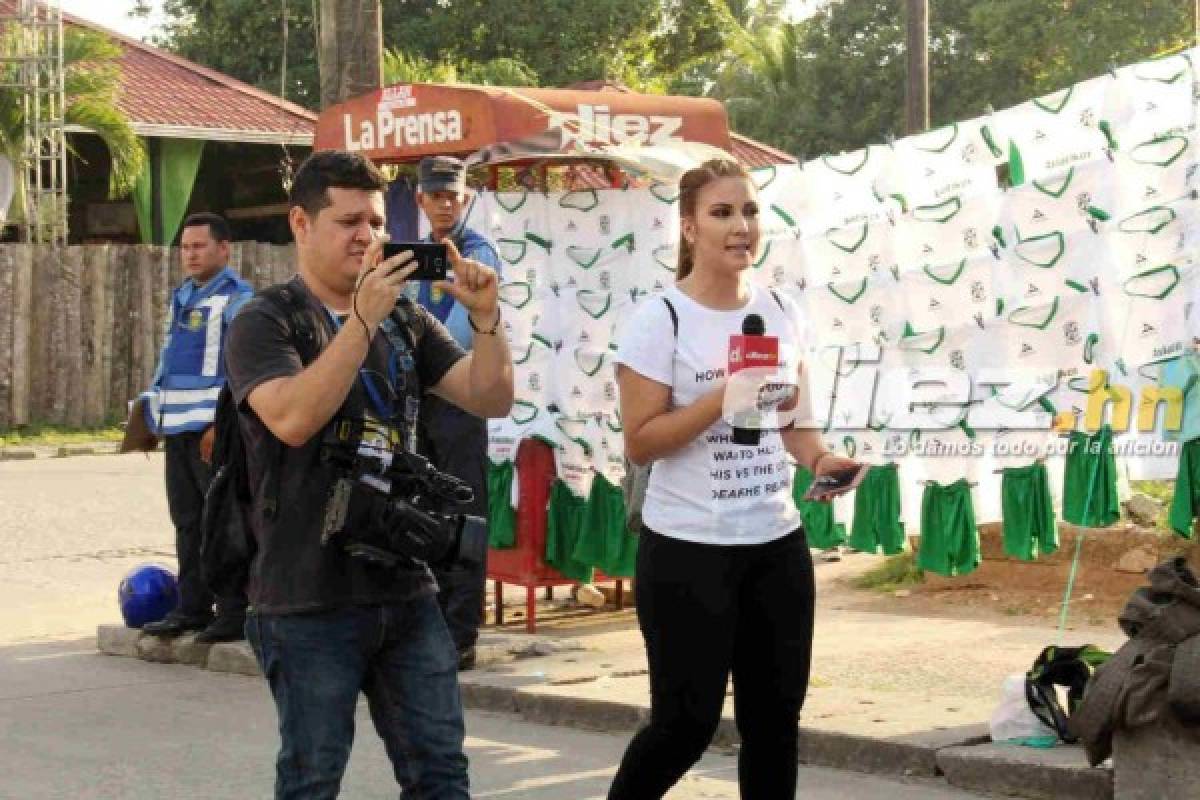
(890, 694)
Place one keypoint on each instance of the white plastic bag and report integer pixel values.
(1013, 719)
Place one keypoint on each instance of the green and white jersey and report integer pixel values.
(1038, 268)
(573, 453)
(1157, 171)
(1153, 235)
(780, 264)
(1052, 133)
(526, 257)
(853, 312)
(590, 217)
(597, 268)
(781, 199)
(606, 438)
(655, 228)
(837, 190)
(534, 370)
(1150, 313)
(923, 379)
(584, 318)
(841, 385)
(585, 381)
(954, 294)
(851, 252)
(944, 232)
(1083, 195)
(1159, 97)
(514, 214)
(946, 162)
(1049, 349)
(522, 306)
(504, 438)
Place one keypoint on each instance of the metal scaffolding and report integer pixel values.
(31, 60)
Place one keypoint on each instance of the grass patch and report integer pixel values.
(50, 435)
(895, 573)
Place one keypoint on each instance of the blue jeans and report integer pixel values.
(402, 658)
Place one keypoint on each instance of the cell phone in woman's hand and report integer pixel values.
(836, 482)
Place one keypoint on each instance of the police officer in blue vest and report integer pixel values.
(454, 440)
(180, 406)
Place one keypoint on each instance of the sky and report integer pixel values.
(114, 14)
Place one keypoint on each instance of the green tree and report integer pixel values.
(558, 42)
(245, 39)
(92, 83)
(400, 67)
(835, 81)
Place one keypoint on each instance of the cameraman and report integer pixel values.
(325, 625)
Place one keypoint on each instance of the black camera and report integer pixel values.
(390, 506)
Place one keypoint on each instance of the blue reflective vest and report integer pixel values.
(191, 367)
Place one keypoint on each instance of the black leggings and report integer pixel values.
(706, 610)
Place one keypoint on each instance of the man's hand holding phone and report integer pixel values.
(379, 282)
(475, 285)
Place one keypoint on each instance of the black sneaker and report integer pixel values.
(225, 628)
(176, 624)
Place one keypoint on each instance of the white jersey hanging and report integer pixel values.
(955, 294)
(940, 233)
(945, 162)
(853, 251)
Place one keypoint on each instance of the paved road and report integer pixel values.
(84, 726)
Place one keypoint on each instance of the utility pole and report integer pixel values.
(351, 49)
(916, 92)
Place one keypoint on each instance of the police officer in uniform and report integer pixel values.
(453, 439)
(180, 406)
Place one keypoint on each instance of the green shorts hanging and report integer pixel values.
(1028, 512)
(949, 538)
(605, 542)
(564, 525)
(1090, 480)
(877, 524)
(1186, 502)
(502, 519)
(820, 529)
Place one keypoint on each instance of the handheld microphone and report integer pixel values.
(752, 349)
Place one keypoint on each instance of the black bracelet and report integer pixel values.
(488, 332)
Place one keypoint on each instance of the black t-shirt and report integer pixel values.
(292, 571)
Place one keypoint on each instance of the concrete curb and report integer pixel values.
(23, 453)
(1061, 772)
(963, 755)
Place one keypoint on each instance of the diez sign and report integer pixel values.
(598, 125)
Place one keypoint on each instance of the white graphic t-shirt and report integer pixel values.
(712, 490)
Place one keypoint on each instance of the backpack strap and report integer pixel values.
(302, 332)
(778, 301)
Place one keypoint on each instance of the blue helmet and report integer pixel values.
(147, 593)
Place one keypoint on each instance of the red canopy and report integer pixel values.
(408, 121)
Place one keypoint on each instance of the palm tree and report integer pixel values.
(91, 80)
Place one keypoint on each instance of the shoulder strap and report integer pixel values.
(302, 328)
(778, 301)
(674, 317)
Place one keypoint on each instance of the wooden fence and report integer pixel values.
(81, 327)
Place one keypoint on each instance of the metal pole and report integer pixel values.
(917, 87)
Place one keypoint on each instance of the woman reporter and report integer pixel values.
(724, 575)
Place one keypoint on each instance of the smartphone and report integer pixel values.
(837, 482)
(432, 259)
